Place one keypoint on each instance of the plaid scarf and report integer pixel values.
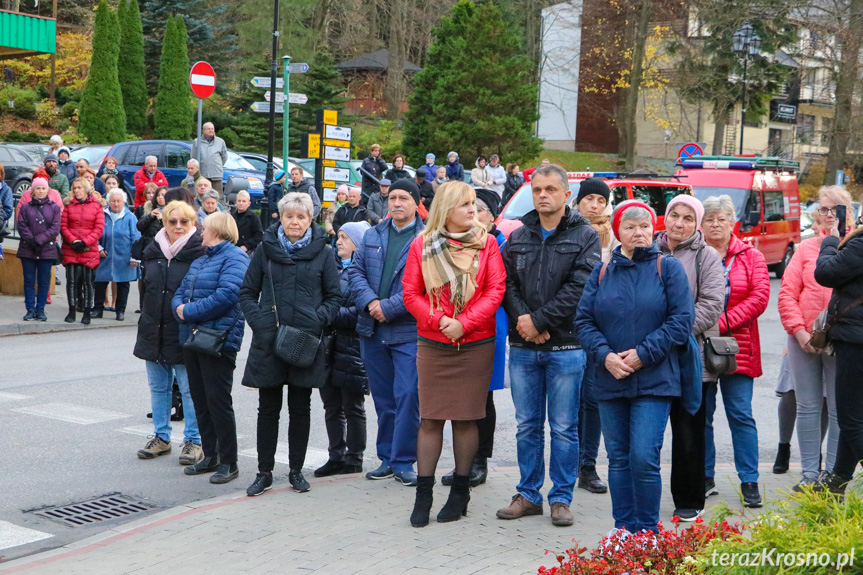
(452, 259)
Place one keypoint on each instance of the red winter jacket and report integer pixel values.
(142, 178)
(750, 292)
(478, 317)
(83, 221)
(801, 298)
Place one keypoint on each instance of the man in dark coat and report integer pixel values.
(372, 170)
(275, 191)
(351, 211)
(426, 189)
(298, 184)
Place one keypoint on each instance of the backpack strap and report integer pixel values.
(659, 268)
(602, 272)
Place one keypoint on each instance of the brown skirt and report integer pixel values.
(453, 383)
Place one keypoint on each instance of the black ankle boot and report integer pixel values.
(479, 471)
(97, 313)
(456, 505)
(71, 317)
(783, 457)
(423, 501)
(86, 319)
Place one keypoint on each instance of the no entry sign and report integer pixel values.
(202, 78)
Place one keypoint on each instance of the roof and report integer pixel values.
(377, 60)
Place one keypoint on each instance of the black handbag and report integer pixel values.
(204, 339)
(138, 249)
(292, 345)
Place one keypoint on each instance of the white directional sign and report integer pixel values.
(337, 133)
(264, 81)
(292, 98)
(333, 153)
(337, 174)
(264, 107)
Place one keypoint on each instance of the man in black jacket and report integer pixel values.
(426, 189)
(298, 184)
(350, 212)
(372, 170)
(548, 261)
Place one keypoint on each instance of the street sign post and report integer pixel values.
(337, 133)
(331, 153)
(202, 79)
(264, 107)
(264, 82)
(337, 174)
(293, 98)
(336, 143)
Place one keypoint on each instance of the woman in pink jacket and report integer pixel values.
(801, 299)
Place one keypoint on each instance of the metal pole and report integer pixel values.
(285, 117)
(272, 118)
(200, 113)
(743, 113)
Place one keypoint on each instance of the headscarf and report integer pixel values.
(452, 259)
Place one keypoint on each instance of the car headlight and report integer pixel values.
(255, 184)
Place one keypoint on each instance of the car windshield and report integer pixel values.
(93, 154)
(237, 162)
(738, 195)
(522, 202)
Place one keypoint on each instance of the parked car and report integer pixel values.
(655, 193)
(765, 195)
(19, 166)
(94, 154)
(35, 149)
(259, 161)
(173, 155)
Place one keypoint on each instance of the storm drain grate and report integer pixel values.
(113, 506)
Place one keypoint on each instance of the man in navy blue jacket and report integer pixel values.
(388, 332)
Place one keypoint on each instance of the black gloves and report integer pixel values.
(79, 246)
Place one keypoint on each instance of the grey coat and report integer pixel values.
(709, 294)
(213, 157)
(377, 208)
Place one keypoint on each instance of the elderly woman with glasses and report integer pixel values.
(747, 291)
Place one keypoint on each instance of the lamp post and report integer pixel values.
(746, 43)
(272, 115)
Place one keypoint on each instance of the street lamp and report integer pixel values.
(745, 43)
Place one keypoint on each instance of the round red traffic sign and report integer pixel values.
(202, 78)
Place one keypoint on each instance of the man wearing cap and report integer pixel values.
(214, 154)
(548, 261)
(426, 189)
(56, 180)
(377, 207)
(149, 173)
(300, 185)
(352, 211)
(193, 174)
(275, 191)
(430, 168)
(388, 332)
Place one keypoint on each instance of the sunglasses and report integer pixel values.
(184, 221)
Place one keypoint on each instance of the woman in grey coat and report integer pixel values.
(684, 240)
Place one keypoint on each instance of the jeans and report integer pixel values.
(589, 421)
(849, 407)
(37, 283)
(552, 380)
(210, 381)
(392, 373)
(687, 455)
(814, 374)
(737, 397)
(634, 429)
(160, 376)
(299, 424)
(345, 419)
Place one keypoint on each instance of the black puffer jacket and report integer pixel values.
(546, 278)
(842, 270)
(348, 370)
(149, 225)
(512, 185)
(158, 330)
(307, 296)
(249, 226)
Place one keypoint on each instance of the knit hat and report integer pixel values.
(593, 186)
(279, 175)
(689, 201)
(430, 155)
(63, 149)
(355, 231)
(51, 158)
(618, 214)
(343, 189)
(39, 182)
(452, 154)
(490, 199)
(409, 186)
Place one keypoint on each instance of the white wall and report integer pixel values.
(559, 67)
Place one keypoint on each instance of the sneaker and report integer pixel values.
(811, 481)
(561, 516)
(348, 469)
(298, 482)
(191, 453)
(710, 487)
(751, 495)
(589, 480)
(834, 483)
(30, 315)
(519, 507)
(688, 515)
(613, 539)
(263, 482)
(330, 468)
(40, 315)
(48, 299)
(382, 472)
(154, 448)
(407, 478)
(225, 473)
(206, 465)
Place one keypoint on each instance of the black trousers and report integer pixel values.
(345, 418)
(849, 407)
(210, 382)
(299, 422)
(687, 456)
(79, 285)
(122, 295)
(486, 426)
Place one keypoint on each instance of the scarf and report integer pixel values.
(452, 259)
(299, 244)
(170, 250)
(115, 217)
(602, 225)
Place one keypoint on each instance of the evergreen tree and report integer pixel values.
(475, 94)
(174, 114)
(130, 67)
(102, 119)
(322, 84)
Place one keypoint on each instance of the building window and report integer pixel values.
(806, 129)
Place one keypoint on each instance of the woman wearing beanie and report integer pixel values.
(684, 240)
(344, 394)
(454, 282)
(38, 226)
(341, 199)
(81, 225)
(636, 311)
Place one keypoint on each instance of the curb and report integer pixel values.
(32, 328)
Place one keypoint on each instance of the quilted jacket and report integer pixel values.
(801, 298)
(83, 221)
(38, 226)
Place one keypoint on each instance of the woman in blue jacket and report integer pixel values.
(635, 312)
(209, 297)
(115, 249)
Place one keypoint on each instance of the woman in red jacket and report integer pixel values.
(747, 291)
(81, 225)
(454, 283)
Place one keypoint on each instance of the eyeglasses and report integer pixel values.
(827, 211)
(174, 221)
(711, 221)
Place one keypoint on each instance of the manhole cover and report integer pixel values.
(105, 508)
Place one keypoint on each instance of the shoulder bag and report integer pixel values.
(824, 323)
(203, 339)
(720, 352)
(292, 345)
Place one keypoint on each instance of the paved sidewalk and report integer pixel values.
(350, 525)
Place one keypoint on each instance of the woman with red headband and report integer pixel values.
(635, 313)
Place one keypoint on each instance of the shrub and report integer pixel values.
(63, 124)
(230, 137)
(25, 101)
(68, 110)
(46, 111)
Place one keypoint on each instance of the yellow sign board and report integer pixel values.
(331, 117)
(314, 145)
(328, 184)
(336, 143)
(329, 163)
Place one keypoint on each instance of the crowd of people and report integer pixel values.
(405, 290)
